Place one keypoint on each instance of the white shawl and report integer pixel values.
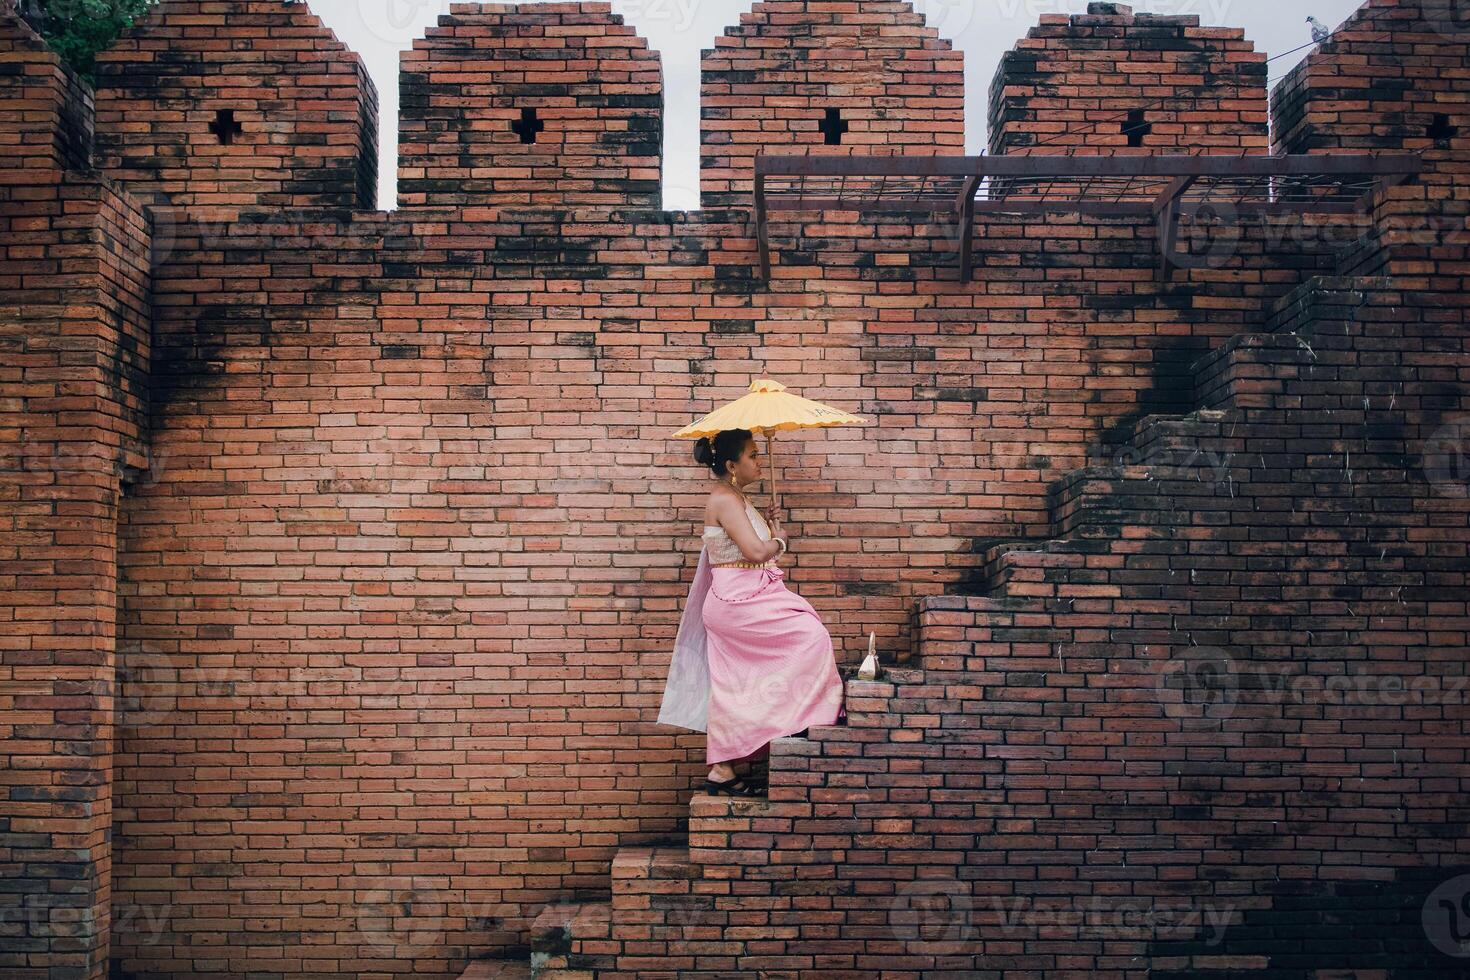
(686, 693)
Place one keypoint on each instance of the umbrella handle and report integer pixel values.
(771, 455)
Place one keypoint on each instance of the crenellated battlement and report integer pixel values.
(225, 104)
(1390, 78)
(45, 109)
(804, 77)
(1112, 82)
(557, 104)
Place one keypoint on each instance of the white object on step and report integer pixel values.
(868, 671)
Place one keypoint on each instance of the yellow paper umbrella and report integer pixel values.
(769, 408)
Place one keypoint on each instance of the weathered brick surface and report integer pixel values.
(427, 455)
(74, 353)
(1393, 78)
(770, 83)
(1112, 82)
(547, 104)
(1380, 83)
(214, 105)
(45, 110)
(1233, 741)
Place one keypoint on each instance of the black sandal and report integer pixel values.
(729, 787)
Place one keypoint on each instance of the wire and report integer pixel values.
(1194, 98)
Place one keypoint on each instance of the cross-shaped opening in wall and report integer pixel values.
(527, 126)
(1441, 128)
(224, 126)
(1137, 127)
(833, 126)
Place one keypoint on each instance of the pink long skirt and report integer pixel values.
(771, 667)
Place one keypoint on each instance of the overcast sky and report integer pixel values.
(681, 29)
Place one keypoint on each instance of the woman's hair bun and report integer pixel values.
(721, 450)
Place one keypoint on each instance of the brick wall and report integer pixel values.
(1217, 724)
(1212, 722)
(1114, 83)
(45, 110)
(420, 535)
(1393, 78)
(551, 104)
(223, 105)
(889, 84)
(75, 337)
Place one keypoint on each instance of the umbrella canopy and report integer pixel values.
(768, 408)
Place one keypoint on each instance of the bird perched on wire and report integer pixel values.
(1320, 32)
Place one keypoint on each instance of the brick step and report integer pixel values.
(664, 914)
(1205, 437)
(1365, 256)
(1010, 562)
(1148, 429)
(1415, 238)
(636, 869)
(948, 627)
(643, 973)
(957, 633)
(1161, 451)
(1145, 501)
(1173, 460)
(1322, 299)
(497, 970)
(1254, 371)
(1167, 460)
(572, 941)
(1001, 609)
(730, 831)
(867, 701)
(713, 814)
(1308, 337)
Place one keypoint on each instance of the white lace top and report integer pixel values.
(721, 549)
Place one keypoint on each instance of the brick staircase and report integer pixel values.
(757, 887)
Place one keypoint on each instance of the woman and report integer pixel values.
(752, 660)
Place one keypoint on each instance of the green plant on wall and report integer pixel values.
(78, 29)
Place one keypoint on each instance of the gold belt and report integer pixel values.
(747, 564)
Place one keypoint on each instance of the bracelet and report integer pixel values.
(782, 543)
